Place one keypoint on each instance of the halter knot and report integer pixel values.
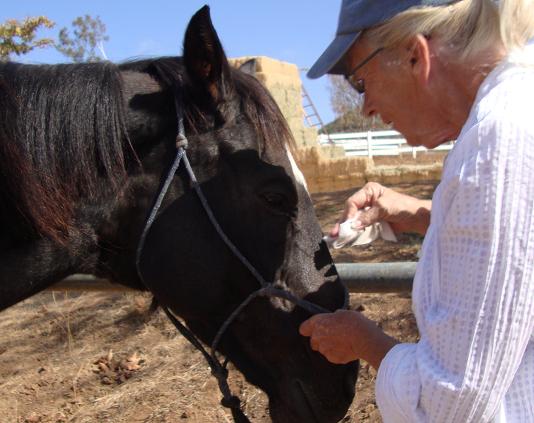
(181, 141)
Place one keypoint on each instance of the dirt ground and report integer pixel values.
(95, 357)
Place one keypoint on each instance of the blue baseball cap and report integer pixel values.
(356, 16)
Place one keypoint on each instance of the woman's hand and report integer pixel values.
(403, 212)
(345, 336)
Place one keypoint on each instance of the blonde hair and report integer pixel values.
(467, 28)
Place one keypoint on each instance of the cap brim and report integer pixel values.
(331, 61)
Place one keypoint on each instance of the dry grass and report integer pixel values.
(64, 340)
(49, 376)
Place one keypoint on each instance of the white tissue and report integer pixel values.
(348, 236)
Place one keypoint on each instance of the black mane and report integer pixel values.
(67, 124)
(63, 135)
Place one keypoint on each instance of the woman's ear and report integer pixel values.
(418, 48)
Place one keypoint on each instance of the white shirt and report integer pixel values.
(473, 294)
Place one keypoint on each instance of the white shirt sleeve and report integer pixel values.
(474, 289)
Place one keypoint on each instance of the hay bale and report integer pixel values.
(282, 79)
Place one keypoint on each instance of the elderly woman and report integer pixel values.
(439, 71)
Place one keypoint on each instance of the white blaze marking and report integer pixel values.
(296, 171)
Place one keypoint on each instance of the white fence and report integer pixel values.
(375, 143)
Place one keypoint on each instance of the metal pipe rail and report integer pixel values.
(377, 277)
(359, 278)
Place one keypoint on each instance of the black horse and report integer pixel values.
(85, 148)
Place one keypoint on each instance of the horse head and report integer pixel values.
(239, 147)
(81, 126)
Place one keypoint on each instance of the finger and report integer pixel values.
(333, 356)
(361, 199)
(365, 196)
(336, 358)
(334, 233)
(350, 210)
(367, 217)
(315, 343)
(306, 328)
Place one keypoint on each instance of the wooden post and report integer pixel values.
(369, 144)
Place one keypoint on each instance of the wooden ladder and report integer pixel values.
(311, 115)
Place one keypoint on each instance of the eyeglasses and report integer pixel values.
(359, 84)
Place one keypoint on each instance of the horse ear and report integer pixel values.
(249, 67)
(204, 57)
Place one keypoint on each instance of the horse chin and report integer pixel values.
(301, 406)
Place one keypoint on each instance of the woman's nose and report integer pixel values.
(368, 108)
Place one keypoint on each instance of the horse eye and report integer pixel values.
(278, 202)
(274, 199)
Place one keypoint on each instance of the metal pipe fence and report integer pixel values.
(377, 277)
(359, 278)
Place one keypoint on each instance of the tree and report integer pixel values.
(88, 35)
(347, 105)
(20, 37)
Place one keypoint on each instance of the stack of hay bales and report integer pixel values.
(325, 174)
(283, 81)
(325, 168)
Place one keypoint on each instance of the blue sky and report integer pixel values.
(295, 31)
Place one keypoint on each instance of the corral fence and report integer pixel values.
(359, 278)
(375, 143)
